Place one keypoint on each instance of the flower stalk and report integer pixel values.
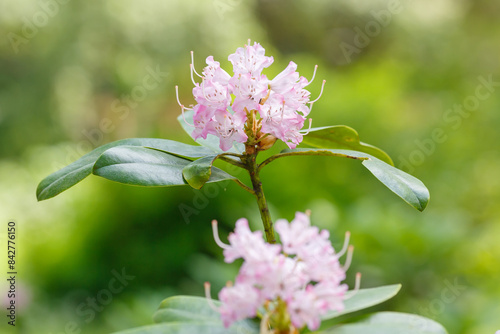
(250, 162)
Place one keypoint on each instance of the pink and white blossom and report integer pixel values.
(304, 273)
(280, 105)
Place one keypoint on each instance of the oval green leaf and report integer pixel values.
(186, 328)
(70, 175)
(142, 166)
(343, 137)
(390, 323)
(189, 309)
(198, 172)
(364, 298)
(408, 187)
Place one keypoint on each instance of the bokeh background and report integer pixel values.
(420, 79)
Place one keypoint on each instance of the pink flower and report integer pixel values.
(285, 81)
(249, 245)
(248, 91)
(306, 277)
(229, 128)
(309, 304)
(306, 309)
(280, 104)
(238, 302)
(297, 233)
(250, 59)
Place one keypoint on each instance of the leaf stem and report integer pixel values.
(315, 152)
(244, 186)
(231, 161)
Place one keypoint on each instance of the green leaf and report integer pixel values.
(211, 141)
(408, 187)
(70, 175)
(186, 309)
(198, 172)
(142, 166)
(365, 298)
(187, 314)
(186, 328)
(342, 137)
(390, 323)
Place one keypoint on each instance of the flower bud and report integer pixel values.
(266, 141)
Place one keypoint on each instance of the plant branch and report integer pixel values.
(244, 186)
(316, 152)
(250, 162)
(231, 161)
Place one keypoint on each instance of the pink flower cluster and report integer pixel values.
(223, 101)
(304, 272)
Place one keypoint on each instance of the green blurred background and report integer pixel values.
(411, 77)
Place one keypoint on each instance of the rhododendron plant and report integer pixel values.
(281, 288)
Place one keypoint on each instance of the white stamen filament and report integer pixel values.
(346, 243)
(348, 259)
(215, 231)
(311, 107)
(192, 64)
(209, 297)
(177, 96)
(191, 69)
(249, 41)
(357, 285)
(184, 117)
(320, 93)
(314, 74)
(182, 107)
(309, 129)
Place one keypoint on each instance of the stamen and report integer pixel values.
(346, 243)
(357, 285)
(192, 64)
(216, 236)
(348, 259)
(209, 298)
(314, 74)
(191, 69)
(182, 107)
(358, 282)
(177, 96)
(321, 93)
(308, 213)
(264, 99)
(309, 129)
(184, 116)
(311, 107)
(249, 41)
